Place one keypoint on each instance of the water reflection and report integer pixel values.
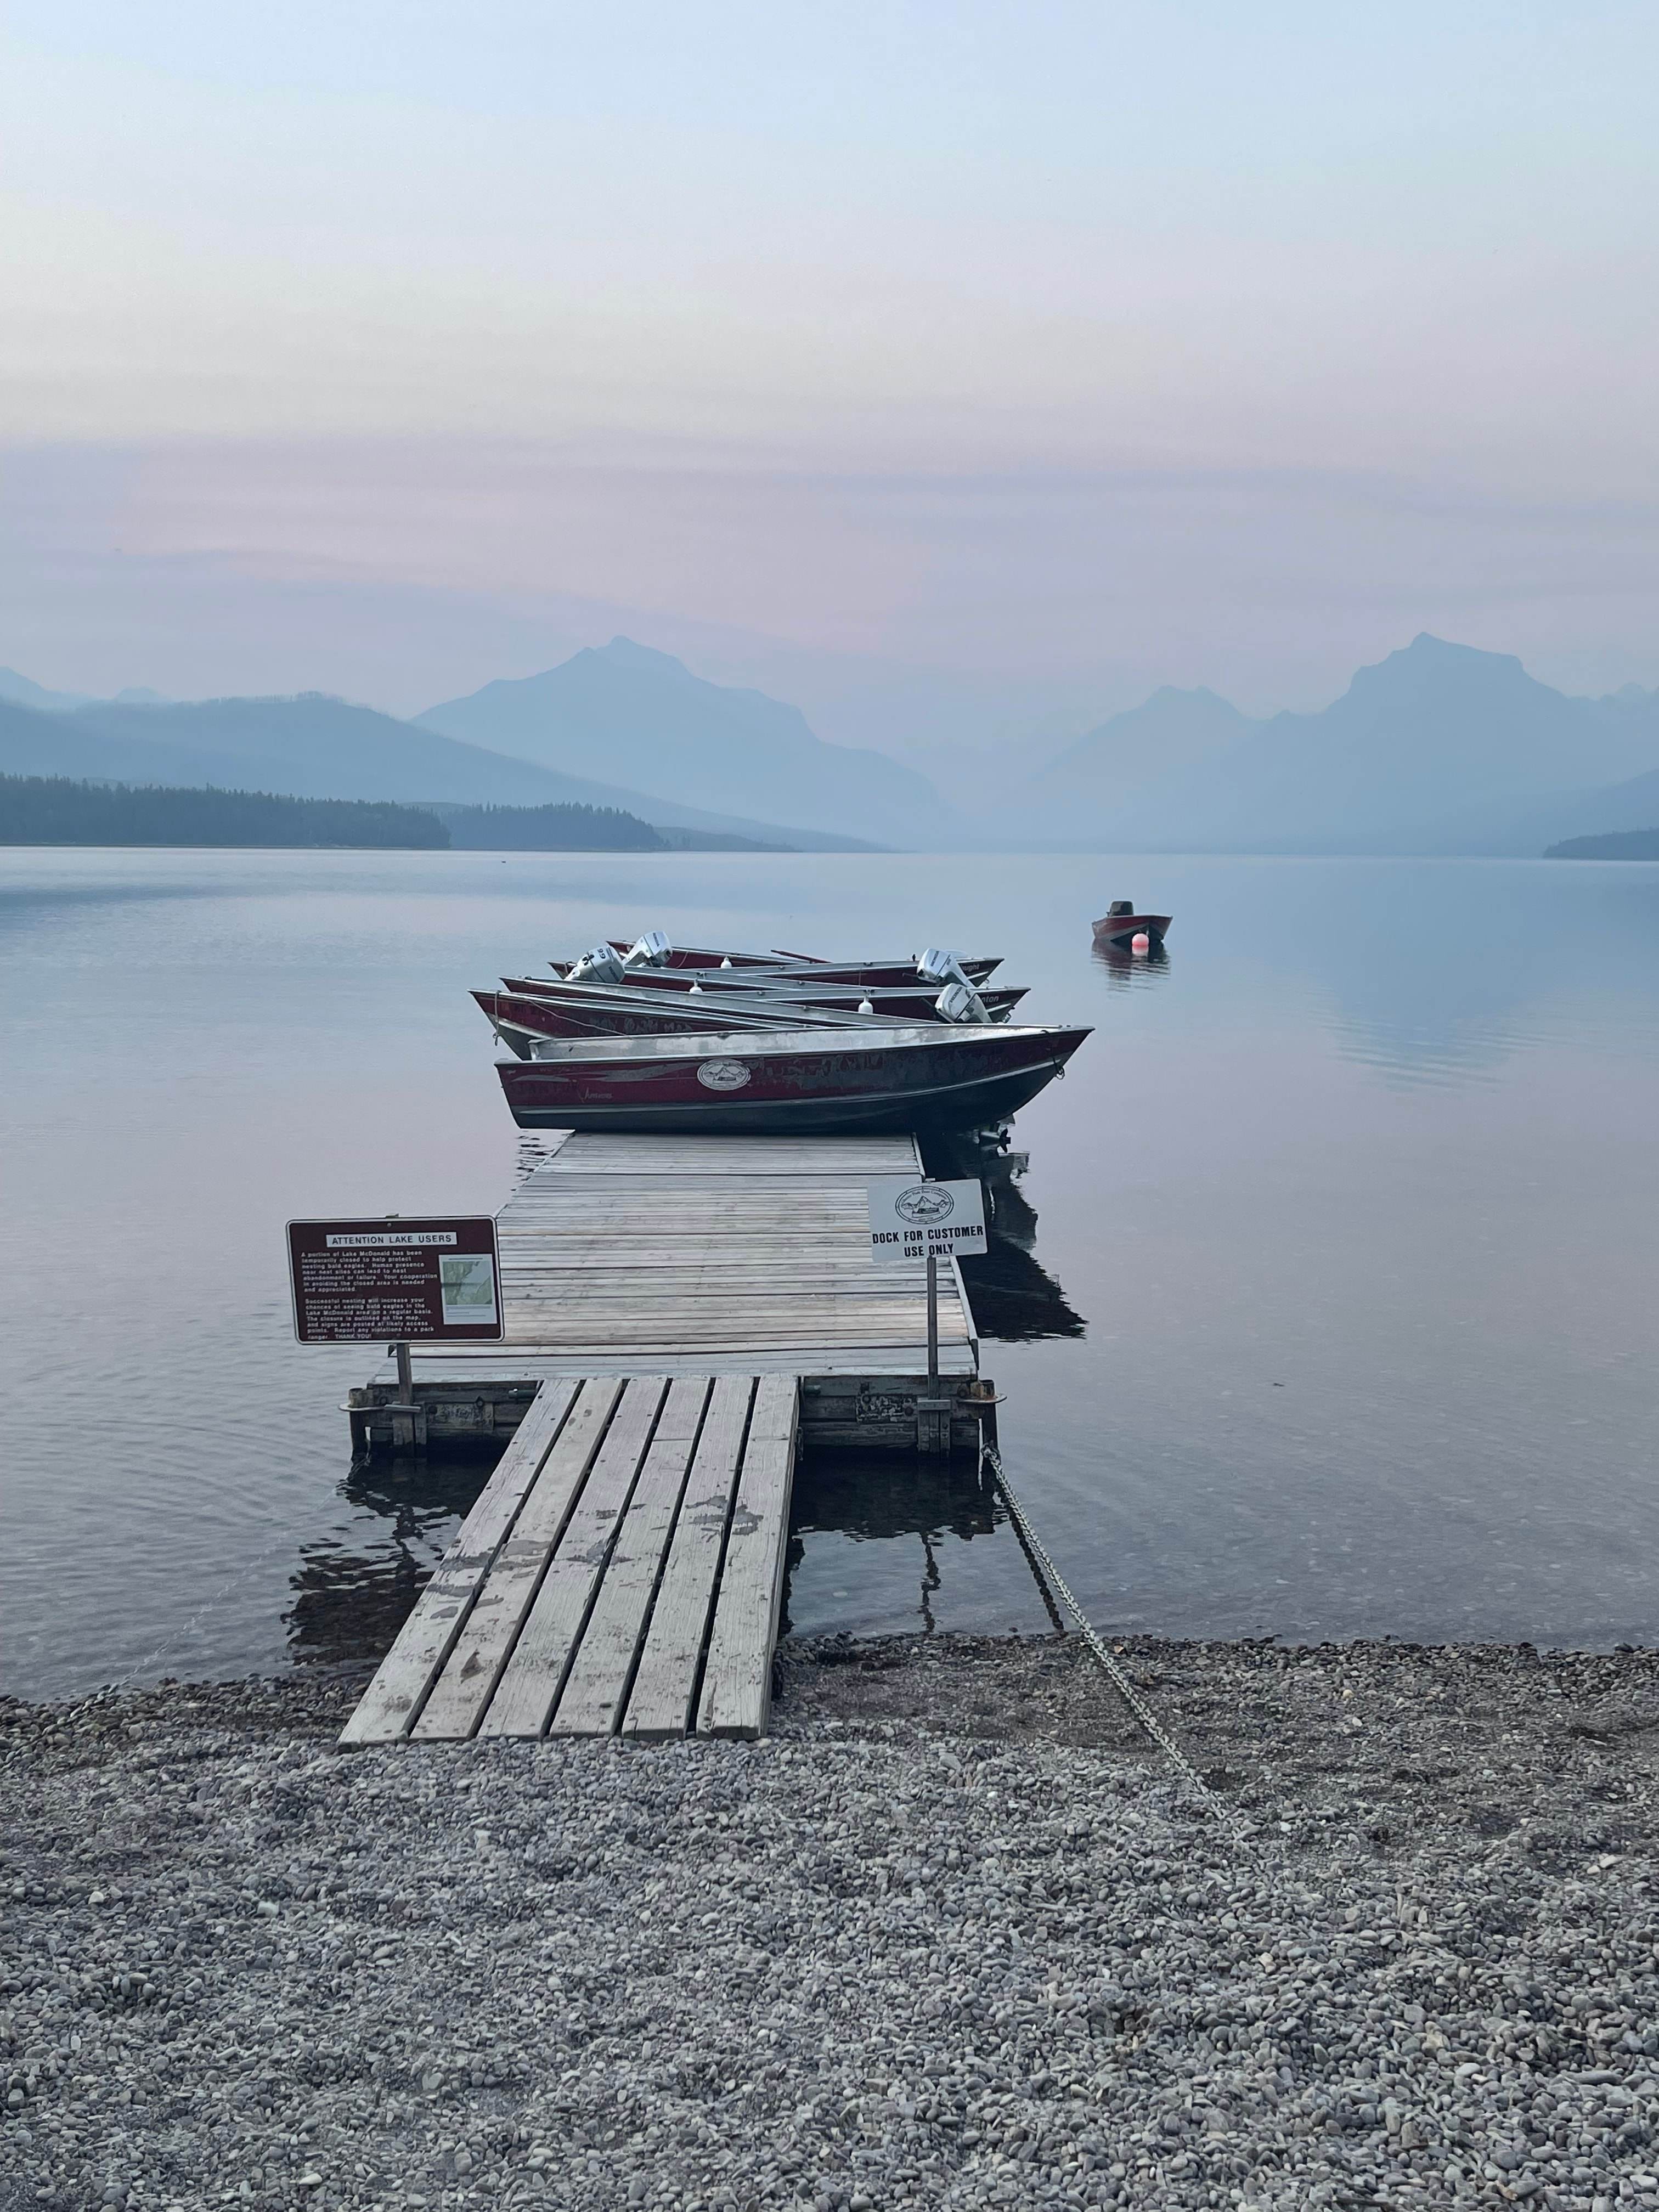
(1124, 969)
(1015, 1300)
(353, 1592)
(878, 1495)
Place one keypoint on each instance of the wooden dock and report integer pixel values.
(676, 1309)
(699, 1255)
(620, 1573)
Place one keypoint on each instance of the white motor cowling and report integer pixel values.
(651, 950)
(960, 1002)
(938, 966)
(600, 963)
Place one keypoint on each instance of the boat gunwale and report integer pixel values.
(737, 1044)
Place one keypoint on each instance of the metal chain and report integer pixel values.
(1227, 1814)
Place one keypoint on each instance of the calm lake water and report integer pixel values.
(1337, 1268)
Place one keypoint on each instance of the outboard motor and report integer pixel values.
(601, 963)
(936, 966)
(651, 951)
(961, 1002)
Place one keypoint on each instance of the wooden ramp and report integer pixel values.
(706, 1256)
(620, 1573)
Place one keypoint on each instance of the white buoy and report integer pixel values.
(1140, 942)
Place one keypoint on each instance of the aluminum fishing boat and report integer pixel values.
(520, 1017)
(654, 951)
(919, 1002)
(825, 1083)
(1120, 924)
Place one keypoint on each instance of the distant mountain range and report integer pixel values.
(23, 692)
(641, 717)
(315, 747)
(1440, 748)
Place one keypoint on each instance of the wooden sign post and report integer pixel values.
(397, 1280)
(913, 1218)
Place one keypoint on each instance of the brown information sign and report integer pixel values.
(395, 1280)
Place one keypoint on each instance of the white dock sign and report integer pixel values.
(911, 1219)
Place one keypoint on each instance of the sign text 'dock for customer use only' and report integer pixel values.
(911, 1218)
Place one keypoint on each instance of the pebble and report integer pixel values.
(954, 1935)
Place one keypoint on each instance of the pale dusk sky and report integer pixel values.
(959, 372)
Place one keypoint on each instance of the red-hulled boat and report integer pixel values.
(744, 965)
(520, 1017)
(917, 1003)
(1121, 923)
(822, 1082)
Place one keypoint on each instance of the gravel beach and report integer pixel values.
(954, 1935)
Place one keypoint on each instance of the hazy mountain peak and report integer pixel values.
(1438, 747)
(1432, 668)
(1173, 731)
(24, 691)
(628, 713)
(628, 655)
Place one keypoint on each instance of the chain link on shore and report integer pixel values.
(1143, 1712)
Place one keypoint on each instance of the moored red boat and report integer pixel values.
(518, 1017)
(744, 966)
(1121, 923)
(903, 1077)
(919, 1002)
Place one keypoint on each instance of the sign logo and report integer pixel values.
(723, 1074)
(927, 1203)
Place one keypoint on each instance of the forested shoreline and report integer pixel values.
(39, 809)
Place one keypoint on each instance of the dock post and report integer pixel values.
(933, 1411)
(408, 1422)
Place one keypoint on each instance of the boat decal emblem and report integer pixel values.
(926, 1202)
(723, 1074)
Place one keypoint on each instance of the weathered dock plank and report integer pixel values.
(534, 1675)
(684, 1255)
(407, 1673)
(464, 1689)
(666, 1685)
(596, 1689)
(737, 1692)
(642, 1523)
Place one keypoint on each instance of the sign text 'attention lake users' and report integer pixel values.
(395, 1279)
(911, 1218)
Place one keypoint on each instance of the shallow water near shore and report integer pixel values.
(1335, 1272)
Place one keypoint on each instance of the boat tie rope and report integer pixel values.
(1217, 1806)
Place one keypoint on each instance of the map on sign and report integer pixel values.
(397, 1280)
(911, 1216)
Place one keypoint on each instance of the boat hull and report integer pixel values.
(896, 973)
(1119, 928)
(812, 1083)
(539, 1014)
(746, 1001)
